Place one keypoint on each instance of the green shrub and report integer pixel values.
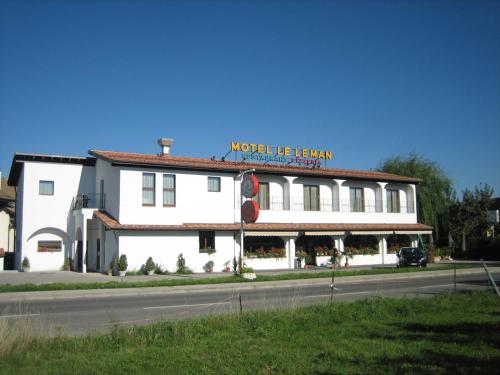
(26, 263)
(150, 265)
(209, 266)
(246, 269)
(122, 263)
(181, 265)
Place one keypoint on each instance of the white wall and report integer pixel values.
(5, 233)
(194, 204)
(47, 217)
(165, 247)
(111, 176)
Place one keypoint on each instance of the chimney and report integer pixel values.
(165, 144)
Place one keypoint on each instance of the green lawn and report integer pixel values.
(450, 334)
(210, 280)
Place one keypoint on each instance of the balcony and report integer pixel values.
(277, 203)
(89, 200)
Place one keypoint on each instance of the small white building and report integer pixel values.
(91, 209)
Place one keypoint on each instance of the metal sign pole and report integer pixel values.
(240, 177)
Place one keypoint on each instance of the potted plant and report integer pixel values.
(122, 265)
(26, 265)
(248, 273)
(348, 254)
(150, 266)
(209, 266)
(227, 267)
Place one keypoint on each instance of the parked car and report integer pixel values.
(411, 256)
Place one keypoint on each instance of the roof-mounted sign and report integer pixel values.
(306, 157)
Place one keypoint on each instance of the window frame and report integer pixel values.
(153, 189)
(390, 202)
(173, 190)
(213, 178)
(308, 197)
(40, 182)
(352, 203)
(267, 200)
(46, 244)
(209, 239)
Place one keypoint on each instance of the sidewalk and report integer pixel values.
(103, 293)
(47, 277)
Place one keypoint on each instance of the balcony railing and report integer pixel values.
(278, 203)
(89, 200)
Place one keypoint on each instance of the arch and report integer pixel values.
(371, 198)
(264, 247)
(361, 244)
(314, 246)
(396, 241)
(51, 230)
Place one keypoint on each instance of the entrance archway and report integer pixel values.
(314, 246)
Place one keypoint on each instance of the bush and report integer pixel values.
(209, 266)
(487, 248)
(150, 265)
(181, 265)
(26, 263)
(122, 263)
(159, 270)
(246, 269)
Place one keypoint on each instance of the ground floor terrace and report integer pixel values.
(100, 240)
(97, 240)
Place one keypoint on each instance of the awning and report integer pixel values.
(271, 234)
(413, 232)
(330, 233)
(357, 233)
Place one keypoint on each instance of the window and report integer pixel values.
(392, 200)
(357, 199)
(148, 189)
(207, 242)
(214, 184)
(46, 187)
(169, 190)
(311, 198)
(262, 196)
(49, 246)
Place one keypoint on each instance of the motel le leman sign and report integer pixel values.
(307, 157)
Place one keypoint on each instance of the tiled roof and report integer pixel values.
(7, 192)
(125, 158)
(111, 223)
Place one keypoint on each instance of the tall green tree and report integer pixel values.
(434, 193)
(468, 217)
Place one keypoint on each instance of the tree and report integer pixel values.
(434, 193)
(469, 216)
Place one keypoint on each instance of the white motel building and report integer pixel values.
(91, 209)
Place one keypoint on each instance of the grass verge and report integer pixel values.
(5, 288)
(457, 334)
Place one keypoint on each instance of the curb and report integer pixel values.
(124, 292)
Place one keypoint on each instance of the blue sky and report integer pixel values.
(365, 79)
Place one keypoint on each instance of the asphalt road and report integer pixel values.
(85, 314)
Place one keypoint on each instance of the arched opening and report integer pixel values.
(264, 247)
(361, 245)
(397, 241)
(309, 247)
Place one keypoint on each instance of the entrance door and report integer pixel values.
(79, 256)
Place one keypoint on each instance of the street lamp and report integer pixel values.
(240, 177)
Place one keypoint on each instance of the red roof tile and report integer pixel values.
(125, 158)
(111, 223)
